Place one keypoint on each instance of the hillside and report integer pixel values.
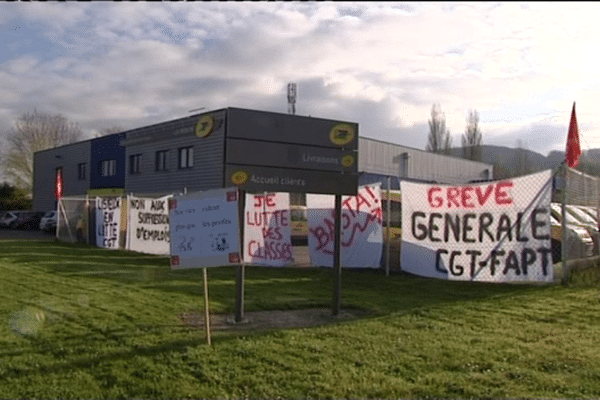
(506, 160)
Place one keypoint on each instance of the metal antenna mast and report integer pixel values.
(291, 93)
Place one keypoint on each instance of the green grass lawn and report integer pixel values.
(79, 321)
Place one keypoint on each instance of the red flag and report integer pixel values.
(573, 148)
(58, 189)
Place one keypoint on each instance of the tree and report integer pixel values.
(31, 132)
(12, 198)
(109, 131)
(471, 140)
(439, 140)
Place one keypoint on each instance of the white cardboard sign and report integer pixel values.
(108, 222)
(204, 229)
(148, 228)
(362, 232)
(267, 230)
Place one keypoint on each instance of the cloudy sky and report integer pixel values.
(383, 65)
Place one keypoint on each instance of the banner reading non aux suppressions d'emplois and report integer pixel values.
(493, 232)
(148, 229)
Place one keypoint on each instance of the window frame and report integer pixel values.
(135, 164)
(161, 164)
(186, 157)
(81, 171)
(108, 168)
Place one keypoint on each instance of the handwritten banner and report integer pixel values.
(493, 232)
(267, 230)
(204, 229)
(362, 233)
(148, 228)
(108, 222)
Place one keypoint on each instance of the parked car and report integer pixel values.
(48, 222)
(29, 220)
(8, 217)
(299, 225)
(579, 238)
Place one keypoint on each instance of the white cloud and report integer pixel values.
(521, 65)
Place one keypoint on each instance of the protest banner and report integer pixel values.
(204, 229)
(148, 227)
(267, 230)
(108, 222)
(362, 232)
(491, 232)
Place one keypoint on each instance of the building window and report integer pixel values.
(81, 171)
(135, 163)
(161, 160)
(108, 167)
(186, 157)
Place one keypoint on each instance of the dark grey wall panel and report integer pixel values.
(44, 169)
(287, 128)
(207, 171)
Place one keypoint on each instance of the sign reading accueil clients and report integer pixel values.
(204, 229)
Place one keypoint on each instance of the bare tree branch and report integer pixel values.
(31, 132)
(439, 140)
(471, 140)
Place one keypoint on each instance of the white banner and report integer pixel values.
(267, 230)
(492, 232)
(362, 233)
(204, 229)
(108, 222)
(148, 228)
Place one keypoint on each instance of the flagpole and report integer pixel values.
(572, 154)
(563, 222)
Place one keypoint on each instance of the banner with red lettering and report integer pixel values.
(267, 229)
(362, 232)
(108, 222)
(148, 225)
(493, 232)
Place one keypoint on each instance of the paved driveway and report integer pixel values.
(7, 234)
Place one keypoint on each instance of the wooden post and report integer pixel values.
(564, 237)
(206, 307)
(337, 265)
(240, 269)
(389, 228)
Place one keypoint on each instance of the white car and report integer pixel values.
(8, 217)
(48, 221)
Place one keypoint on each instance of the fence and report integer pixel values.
(577, 208)
(73, 219)
(574, 223)
(105, 224)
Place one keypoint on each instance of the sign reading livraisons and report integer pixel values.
(267, 230)
(204, 229)
(148, 229)
(108, 222)
(492, 232)
(362, 233)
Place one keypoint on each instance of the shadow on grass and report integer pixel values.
(265, 288)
